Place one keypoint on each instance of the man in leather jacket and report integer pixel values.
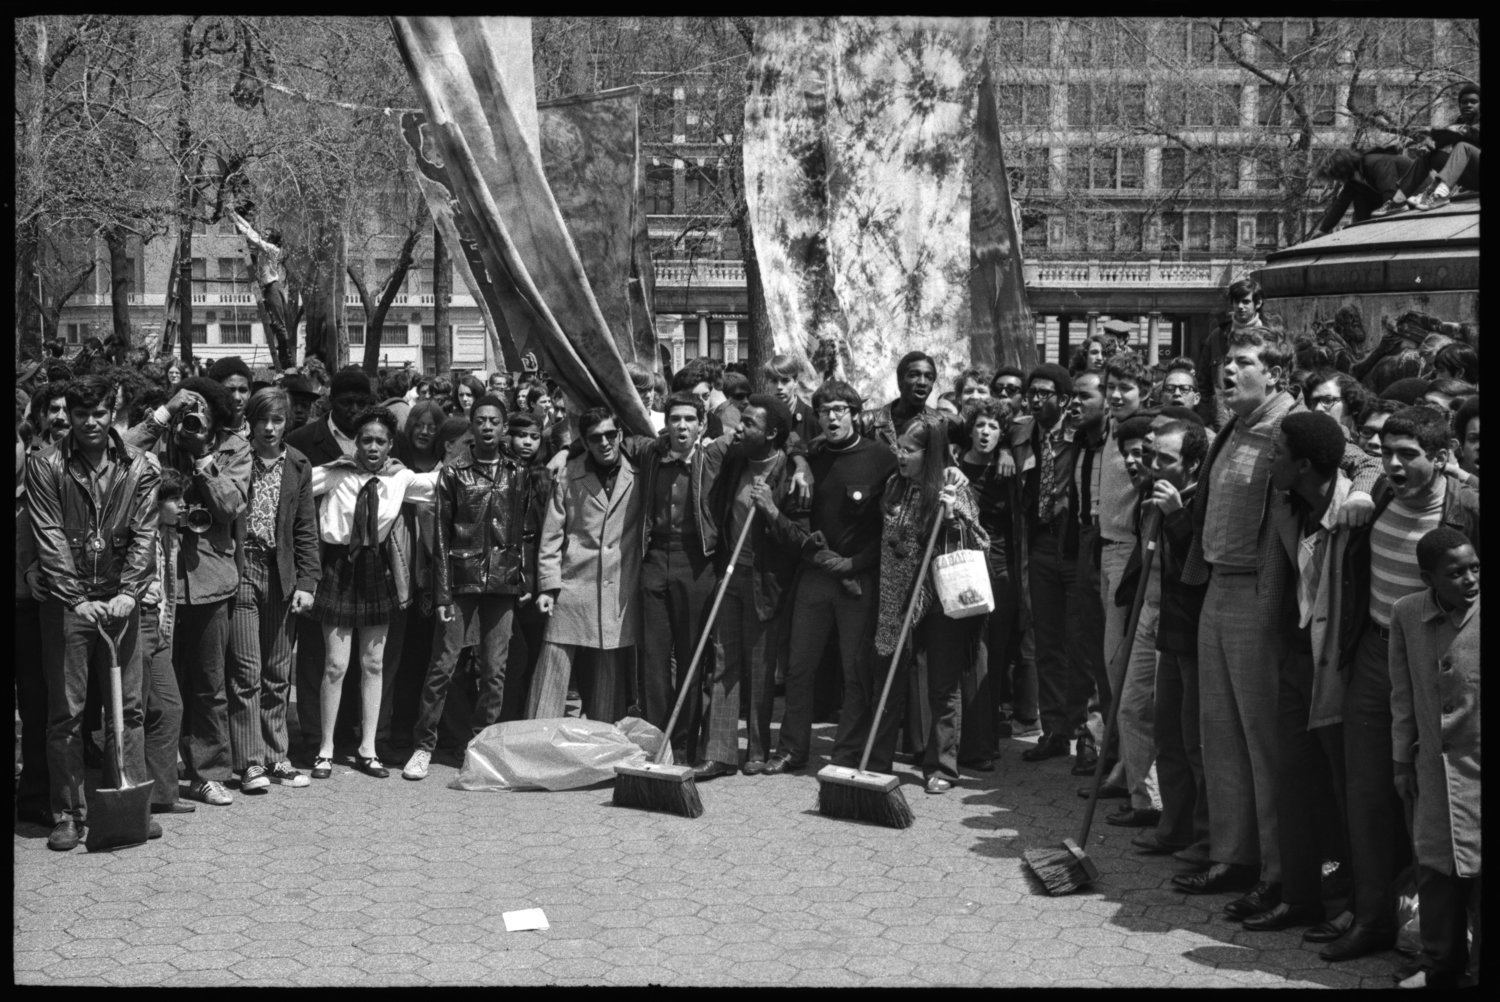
(93, 513)
(480, 572)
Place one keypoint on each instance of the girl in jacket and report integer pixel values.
(912, 499)
(358, 592)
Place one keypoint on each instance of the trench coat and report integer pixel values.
(1435, 723)
(590, 555)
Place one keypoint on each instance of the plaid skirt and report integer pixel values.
(355, 592)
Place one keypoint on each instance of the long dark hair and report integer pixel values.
(931, 436)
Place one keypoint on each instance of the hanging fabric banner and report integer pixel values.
(858, 133)
(482, 114)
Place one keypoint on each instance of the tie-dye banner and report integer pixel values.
(858, 133)
(997, 289)
(481, 110)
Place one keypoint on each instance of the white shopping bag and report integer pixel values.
(962, 580)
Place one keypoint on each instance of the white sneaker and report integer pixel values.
(416, 766)
(209, 792)
(283, 774)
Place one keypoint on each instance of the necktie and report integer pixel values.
(364, 539)
(1047, 501)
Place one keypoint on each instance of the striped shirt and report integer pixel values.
(1393, 552)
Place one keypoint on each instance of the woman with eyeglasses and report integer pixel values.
(915, 494)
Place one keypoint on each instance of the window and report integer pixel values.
(1080, 106)
(1267, 170)
(394, 334)
(200, 273)
(356, 333)
(716, 339)
(1076, 45)
(1036, 40)
(1407, 43)
(1132, 103)
(1198, 224)
(699, 126)
(1131, 232)
(1271, 106)
(77, 333)
(234, 334)
(1078, 168)
(1203, 44)
(1322, 101)
(1226, 169)
(1173, 107)
(1173, 167)
(1216, 105)
(199, 334)
(1297, 35)
(1024, 104)
(1267, 225)
(1034, 170)
(1362, 102)
(231, 274)
(702, 190)
(1132, 169)
(1171, 234)
(384, 268)
(657, 114)
(1411, 106)
(1225, 233)
(429, 336)
(1270, 42)
(1104, 164)
(1033, 229)
(659, 190)
(1101, 231)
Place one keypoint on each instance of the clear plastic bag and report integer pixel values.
(554, 754)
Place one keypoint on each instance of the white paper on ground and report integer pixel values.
(526, 918)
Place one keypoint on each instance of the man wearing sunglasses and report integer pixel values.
(590, 539)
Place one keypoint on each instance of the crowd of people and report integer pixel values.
(1298, 704)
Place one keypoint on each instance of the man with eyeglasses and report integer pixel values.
(1179, 388)
(591, 539)
(837, 588)
(1008, 384)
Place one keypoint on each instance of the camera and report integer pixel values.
(197, 518)
(191, 421)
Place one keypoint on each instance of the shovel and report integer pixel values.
(120, 817)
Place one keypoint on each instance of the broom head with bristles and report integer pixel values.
(653, 787)
(1062, 871)
(863, 796)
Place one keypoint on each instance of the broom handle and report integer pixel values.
(911, 607)
(708, 626)
(1151, 523)
(116, 704)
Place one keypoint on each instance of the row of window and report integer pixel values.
(1126, 42)
(1175, 233)
(1124, 169)
(1098, 105)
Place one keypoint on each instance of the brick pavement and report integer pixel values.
(358, 881)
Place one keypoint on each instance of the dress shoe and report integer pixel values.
(176, 807)
(713, 770)
(1047, 746)
(1134, 817)
(753, 766)
(1216, 879)
(779, 764)
(1327, 932)
(937, 784)
(1151, 844)
(370, 766)
(65, 835)
(1262, 898)
(1359, 941)
(1107, 791)
(1284, 916)
(1086, 758)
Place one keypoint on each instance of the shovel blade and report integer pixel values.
(119, 818)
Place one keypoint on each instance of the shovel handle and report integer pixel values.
(116, 698)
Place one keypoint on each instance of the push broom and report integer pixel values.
(1068, 869)
(876, 797)
(657, 786)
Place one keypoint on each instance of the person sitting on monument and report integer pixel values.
(1441, 160)
(1366, 182)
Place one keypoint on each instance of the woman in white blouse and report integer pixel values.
(360, 500)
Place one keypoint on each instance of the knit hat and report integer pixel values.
(350, 381)
(231, 366)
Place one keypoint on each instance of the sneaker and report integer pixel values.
(283, 774)
(209, 792)
(1391, 207)
(1438, 197)
(254, 780)
(416, 766)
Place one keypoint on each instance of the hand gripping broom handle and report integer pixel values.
(116, 702)
(1150, 532)
(708, 628)
(911, 607)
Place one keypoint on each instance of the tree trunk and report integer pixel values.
(28, 295)
(120, 280)
(185, 194)
(185, 283)
(326, 337)
(442, 296)
(762, 345)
